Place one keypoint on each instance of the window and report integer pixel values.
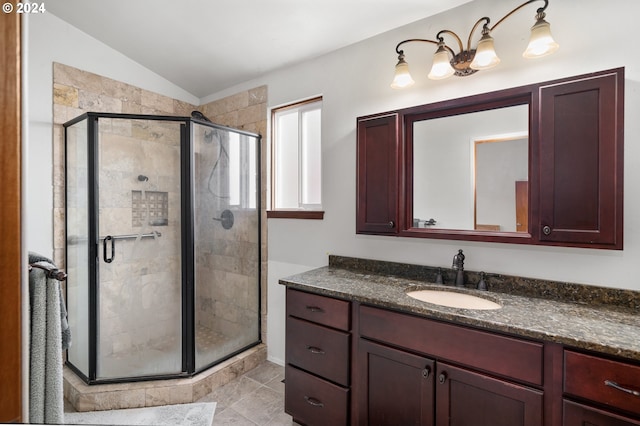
(241, 153)
(296, 160)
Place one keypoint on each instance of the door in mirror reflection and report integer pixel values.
(459, 184)
(501, 183)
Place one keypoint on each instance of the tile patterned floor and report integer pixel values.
(255, 398)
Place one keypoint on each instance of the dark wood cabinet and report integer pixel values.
(350, 363)
(396, 387)
(575, 182)
(378, 154)
(465, 397)
(581, 161)
(422, 386)
(317, 357)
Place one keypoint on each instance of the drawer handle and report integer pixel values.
(312, 401)
(614, 385)
(315, 309)
(315, 350)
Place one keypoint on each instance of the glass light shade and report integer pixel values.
(441, 67)
(402, 77)
(541, 43)
(485, 56)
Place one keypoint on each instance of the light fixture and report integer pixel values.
(470, 60)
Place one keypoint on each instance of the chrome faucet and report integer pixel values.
(458, 265)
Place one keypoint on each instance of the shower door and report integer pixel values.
(139, 232)
(226, 242)
(163, 245)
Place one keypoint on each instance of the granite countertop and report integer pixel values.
(590, 326)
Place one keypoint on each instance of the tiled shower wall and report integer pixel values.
(76, 91)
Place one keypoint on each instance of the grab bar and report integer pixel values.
(134, 236)
(75, 240)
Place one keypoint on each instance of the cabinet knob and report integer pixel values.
(391, 224)
(442, 378)
(546, 230)
(314, 309)
(426, 372)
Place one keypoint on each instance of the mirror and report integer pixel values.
(471, 169)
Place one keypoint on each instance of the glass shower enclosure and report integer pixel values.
(162, 245)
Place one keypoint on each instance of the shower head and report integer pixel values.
(208, 135)
(142, 178)
(200, 116)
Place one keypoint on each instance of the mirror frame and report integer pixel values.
(525, 95)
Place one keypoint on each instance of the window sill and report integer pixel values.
(295, 214)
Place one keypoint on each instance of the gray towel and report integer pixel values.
(46, 397)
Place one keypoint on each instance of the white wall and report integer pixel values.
(355, 81)
(48, 39)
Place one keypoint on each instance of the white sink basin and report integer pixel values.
(453, 300)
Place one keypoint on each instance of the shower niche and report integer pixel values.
(162, 245)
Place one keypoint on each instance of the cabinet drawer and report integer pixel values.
(321, 309)
(581, 415)
(313, 401)
(508, 357)
(320, 350)
(585, 377)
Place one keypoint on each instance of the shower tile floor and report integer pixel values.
(210, 345)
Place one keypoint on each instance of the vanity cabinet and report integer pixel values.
(349, 363)
(378, 156)
(575, 167)
(605, 389)
(431, 373)
(317, 356)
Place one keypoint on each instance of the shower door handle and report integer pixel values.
(104, 249)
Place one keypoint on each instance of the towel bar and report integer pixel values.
(51, 272)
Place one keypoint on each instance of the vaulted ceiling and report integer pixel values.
(205, 46)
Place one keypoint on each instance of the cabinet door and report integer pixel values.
(581, 161)
(377, 175)
(395, 387)
(581, 415)
(466, 398)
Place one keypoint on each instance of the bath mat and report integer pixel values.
(197, 414)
